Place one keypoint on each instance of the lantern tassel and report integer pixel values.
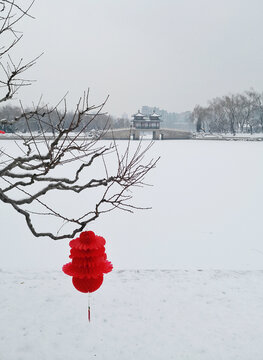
(89, 307)
(89, 313)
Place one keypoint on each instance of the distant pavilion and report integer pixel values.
(143, 122)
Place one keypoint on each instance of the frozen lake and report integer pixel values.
(207, 205)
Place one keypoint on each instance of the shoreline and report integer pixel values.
(198, 138)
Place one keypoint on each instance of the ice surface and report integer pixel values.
(207, 205)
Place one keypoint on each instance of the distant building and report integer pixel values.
(144, 122)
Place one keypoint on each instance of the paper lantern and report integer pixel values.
(89, 262)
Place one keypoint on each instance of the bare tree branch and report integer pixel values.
(56, 141)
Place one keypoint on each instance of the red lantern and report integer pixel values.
(89, 262)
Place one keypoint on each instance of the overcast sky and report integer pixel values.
(172, 54)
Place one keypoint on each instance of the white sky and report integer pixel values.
(173, 54)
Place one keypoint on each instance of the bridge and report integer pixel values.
(156, 134)
(143, 125)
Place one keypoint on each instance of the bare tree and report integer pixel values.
(259, 109)
(199, 117)
(60, 157)
(255, 102)
(218, 120)
(231, 107)
(247, 106)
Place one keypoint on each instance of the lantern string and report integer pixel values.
(89, 307)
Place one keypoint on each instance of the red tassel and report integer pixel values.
(89, 313)
(89, 307)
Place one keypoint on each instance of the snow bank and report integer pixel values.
(200, 315)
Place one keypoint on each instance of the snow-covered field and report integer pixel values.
(207, 201)
(178, 315)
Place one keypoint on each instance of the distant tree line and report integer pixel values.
(50, 120)
(235, 113)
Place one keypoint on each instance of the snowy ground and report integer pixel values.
(179, 315)
(207, 205)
